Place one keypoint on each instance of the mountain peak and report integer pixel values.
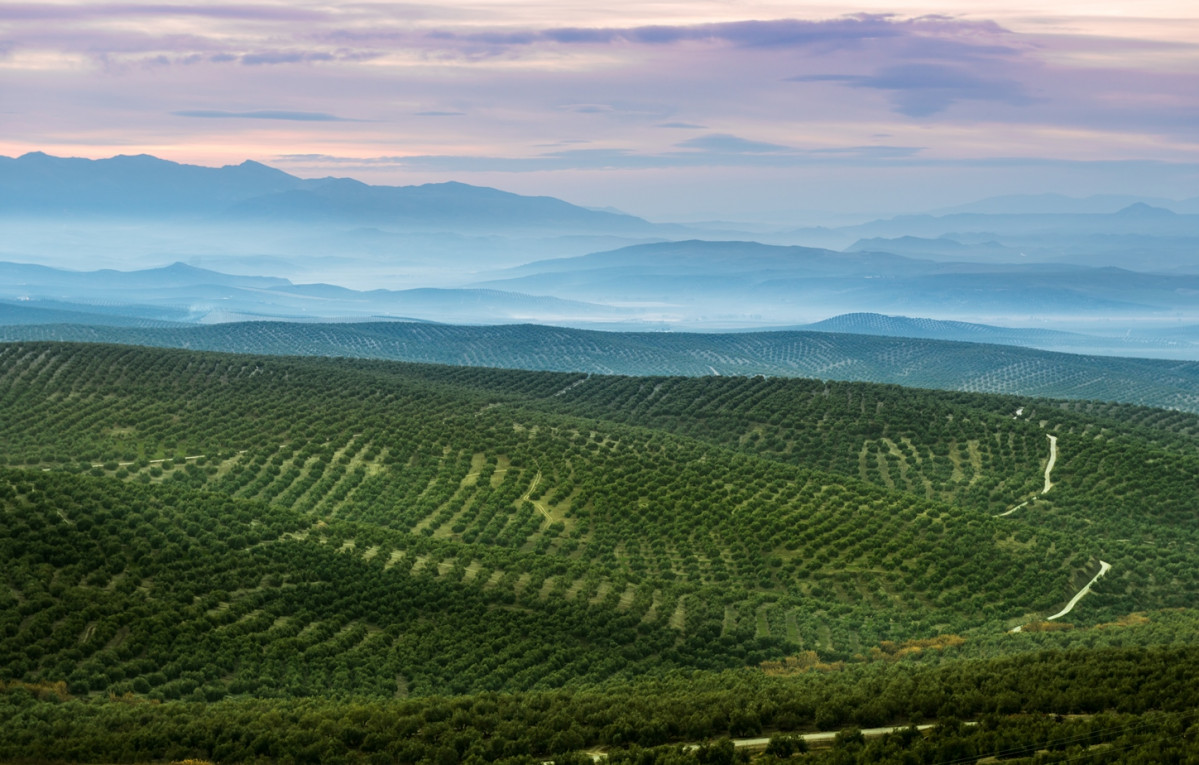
(1142, 210)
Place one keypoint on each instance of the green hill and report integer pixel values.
(199, 534)
(913, 362)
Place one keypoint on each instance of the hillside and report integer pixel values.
(1179, 342)
(944, 365)
(200, 534)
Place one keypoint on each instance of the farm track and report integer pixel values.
(541, 508)
(820, 738)
(1104, 567)
(1052, 462)
(1048, 471)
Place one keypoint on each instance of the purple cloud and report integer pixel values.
(285, 57)
(921, 90)
(781, 33)
(935, 33)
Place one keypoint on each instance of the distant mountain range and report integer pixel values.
(691, 280)
(1137, 218)
(182, 293)
(1058, 204)
(147, 187)
(338, 249)
(1139, 235)
(724, 285)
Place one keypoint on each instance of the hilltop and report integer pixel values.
(916, 362)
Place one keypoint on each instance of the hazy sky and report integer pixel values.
(675, 108)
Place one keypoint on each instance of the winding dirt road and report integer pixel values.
(541, 508)
(1048, 472)
(824, 737)
(1052, 462)
(1104, 567)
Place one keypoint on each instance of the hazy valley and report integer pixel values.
(320, 471)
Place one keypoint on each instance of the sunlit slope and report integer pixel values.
(326, 488)
(969, 450)
(1126, 479)
(922, 363)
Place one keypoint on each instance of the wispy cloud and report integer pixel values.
(276, 57)
(731, 144)
(265, 114)
(920, 90)
(726, 151)
(768, 34)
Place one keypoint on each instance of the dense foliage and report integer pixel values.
(193, 541)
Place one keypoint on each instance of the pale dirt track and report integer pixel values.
(1052, 462)
(823, 737)
(541, 508)
(1104, 567)
(1048, 472)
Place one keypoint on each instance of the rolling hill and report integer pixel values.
(945, 365)
(396, 558)
(461, 481)
(1180, 342)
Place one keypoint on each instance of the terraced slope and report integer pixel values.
(374, 476)
(183, 524)
(237, 557)
(912, 362)
(177, 593)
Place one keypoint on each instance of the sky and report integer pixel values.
(675, 109)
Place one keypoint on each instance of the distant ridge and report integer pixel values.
(1029, 204)
(15, 313)
(712, 278)
(937, 329)
(144, 186)
(920, 363)
(1179, 340)
(39, 183)
(180, 292)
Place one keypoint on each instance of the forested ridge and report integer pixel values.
(940, 364)
(195, 541)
